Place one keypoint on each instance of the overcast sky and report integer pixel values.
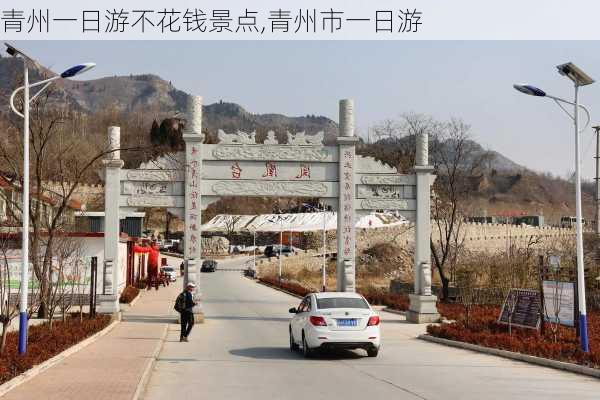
(470, 80)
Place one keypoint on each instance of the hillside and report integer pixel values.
(156, 98)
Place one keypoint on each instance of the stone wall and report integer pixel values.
(477, 236)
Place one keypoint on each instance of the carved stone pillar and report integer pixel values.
(109, 303)
(346, 272)
(422, 307)
(193, 138)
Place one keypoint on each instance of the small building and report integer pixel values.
(93, 221)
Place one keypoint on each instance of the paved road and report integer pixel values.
(241, 352)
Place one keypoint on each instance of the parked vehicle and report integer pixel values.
(570, 222)
(170, 272)
(273, 250)
(208, 266)
(178, 247)
(169, 245)
(334, 320)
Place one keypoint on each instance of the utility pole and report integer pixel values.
(597, 129)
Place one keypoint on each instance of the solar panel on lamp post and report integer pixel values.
(579, 78)
(69, 73)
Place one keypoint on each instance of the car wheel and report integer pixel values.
(307, 352)
(293, 344)
(372, 351)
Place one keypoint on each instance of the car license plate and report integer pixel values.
(346, 322)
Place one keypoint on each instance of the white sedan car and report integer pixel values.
(333, 320)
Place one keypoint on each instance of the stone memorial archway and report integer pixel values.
(302, 167)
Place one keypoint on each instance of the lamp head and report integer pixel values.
(575, 74)
(77, 70)
(14, 52)
(11, 50)
(530, 90)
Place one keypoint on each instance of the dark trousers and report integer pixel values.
(187, 323)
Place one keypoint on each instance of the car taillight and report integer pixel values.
(374, 320)
(317, 321)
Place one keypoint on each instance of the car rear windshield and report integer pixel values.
(169, 269)
(341, 302)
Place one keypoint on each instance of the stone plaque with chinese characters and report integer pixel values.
(192, 201)
(270, 170)
(346, 168)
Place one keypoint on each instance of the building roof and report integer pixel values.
(73, 204)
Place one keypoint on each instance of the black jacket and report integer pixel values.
(189, 301)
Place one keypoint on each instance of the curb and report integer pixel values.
(36, 370)
(278, 289)
(168, 253)
(393, 311)
(128, 306)
(136, 298)
(141, 386)
(544, 362)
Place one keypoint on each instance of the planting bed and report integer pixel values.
(44, 343)
(292, 287)
(129, 294)
(482, 329)
(373, 296)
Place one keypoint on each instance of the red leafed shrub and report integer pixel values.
(290, 286)
(482, 329)
(44, 343)
(373, 296)
(129, 294)
(383, 297)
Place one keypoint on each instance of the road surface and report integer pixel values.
(241, 352)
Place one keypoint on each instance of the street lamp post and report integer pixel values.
(579, 78)
(75, 70)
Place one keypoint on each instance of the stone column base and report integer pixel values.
(198, 315)
(108, 304)
(422, 309)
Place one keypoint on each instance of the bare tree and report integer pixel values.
(9, 307)
(230, 221)
(68, 253)
(62, 150)
(397, 138)
(457, 160)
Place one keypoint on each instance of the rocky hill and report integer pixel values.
(504, 187)
(156, 98)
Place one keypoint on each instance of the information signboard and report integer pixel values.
(559, 302)
(521, 308)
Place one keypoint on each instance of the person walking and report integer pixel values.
(184, 305)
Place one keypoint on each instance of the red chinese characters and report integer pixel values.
(193, 201)
(236, 171)
(304, 171)
(347, 201)
(270, 170)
